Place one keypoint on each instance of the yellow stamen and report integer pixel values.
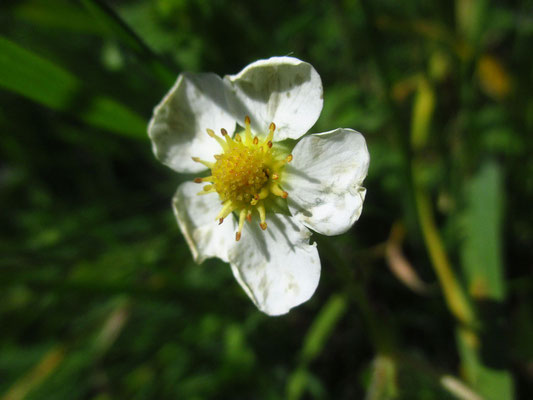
(262, 215)
(275, 189)
(242, 218)
(206, 179)
(245, 174)
(203, 192)
(271, 130)
(228, 138)
(247, 130)
(221, 142)
(206, 163)
(227, 207)
(263, 194)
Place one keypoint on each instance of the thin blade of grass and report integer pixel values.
(112, 21)
(300, 380)
(27, 74)
(38, 79)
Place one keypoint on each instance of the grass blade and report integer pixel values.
(27, 74)
(40, 80)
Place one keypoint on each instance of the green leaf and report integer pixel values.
(423, 109)
(481, 249)
(106, 113)
(301, 379)
(383, 384)
(483, 357)
(64, 15)
(491, 383)
(40, 80)
(471, 19)
(322, 327)
(111, 22)
(31, 76)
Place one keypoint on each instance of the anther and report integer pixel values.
(198, 180)
(269, 144)
(262, 215)
(208, 164)
(221, 142)
(270, 136)
(263, 194)
(247, 130)
(289, 158)
(275, 189)
(242, 217)
(256, 140)
(238, 138)
(223, 132)
(275, 177)
(227, 208)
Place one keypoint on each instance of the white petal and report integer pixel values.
(283, 90)
(178, 127)
(196, 218)
(277, 268)
(324, 180)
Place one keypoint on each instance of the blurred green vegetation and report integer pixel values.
(428, 297)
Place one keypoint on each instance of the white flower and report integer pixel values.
(257, 176)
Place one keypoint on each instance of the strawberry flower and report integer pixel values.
(260, 193)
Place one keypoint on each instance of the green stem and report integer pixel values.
(453, 292)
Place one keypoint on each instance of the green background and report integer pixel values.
(429, 296)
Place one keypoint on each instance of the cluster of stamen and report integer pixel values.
(244, 174)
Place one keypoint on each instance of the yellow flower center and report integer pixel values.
(240, 173)
(244, 174)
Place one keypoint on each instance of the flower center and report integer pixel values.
(240, 173)
(245, 174)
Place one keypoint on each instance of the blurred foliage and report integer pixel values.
(428, 297)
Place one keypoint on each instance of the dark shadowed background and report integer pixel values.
(429, 296)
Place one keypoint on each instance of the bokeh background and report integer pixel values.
(429, 296)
